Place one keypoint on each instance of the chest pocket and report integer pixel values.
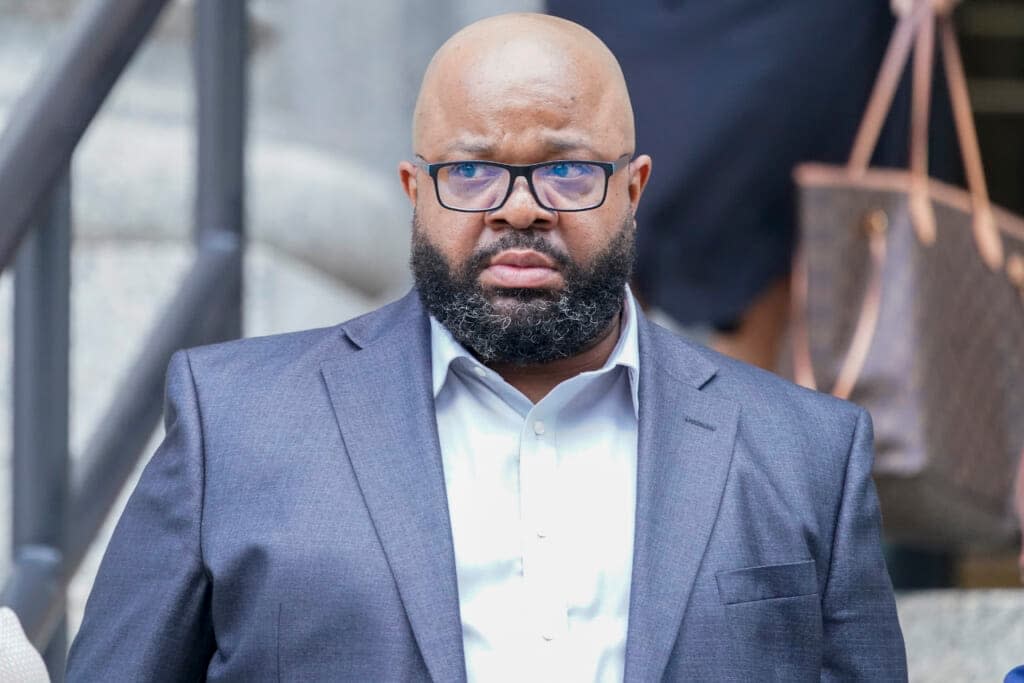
(773, 617)
(767, 582)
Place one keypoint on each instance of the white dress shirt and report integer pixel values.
(542, 501)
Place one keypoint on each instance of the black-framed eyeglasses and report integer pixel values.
(563, 185)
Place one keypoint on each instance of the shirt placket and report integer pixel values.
(542, 573)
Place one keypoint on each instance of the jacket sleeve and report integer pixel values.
(862, 636)
(147, 618)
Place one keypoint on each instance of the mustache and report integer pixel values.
(521, 239)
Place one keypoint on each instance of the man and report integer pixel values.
(509, 474)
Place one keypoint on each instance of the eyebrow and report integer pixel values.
(555, 143)
(470, 146)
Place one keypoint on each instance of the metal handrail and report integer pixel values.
(58, 513)
(49, 120)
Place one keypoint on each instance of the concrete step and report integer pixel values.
(962, 635)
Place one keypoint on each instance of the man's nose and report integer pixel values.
(521, 210)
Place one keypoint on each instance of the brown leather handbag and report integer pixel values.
(909, 300)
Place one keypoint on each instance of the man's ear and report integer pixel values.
(407, 174)
(639, 174)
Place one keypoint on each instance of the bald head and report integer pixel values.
(512, 69)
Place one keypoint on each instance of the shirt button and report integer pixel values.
(538, 427)
(479, 371)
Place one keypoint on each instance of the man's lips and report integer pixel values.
(523, 258)
(519, 268)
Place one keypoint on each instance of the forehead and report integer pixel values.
(517, 99)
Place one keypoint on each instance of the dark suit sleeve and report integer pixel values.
(147, 618)
(863, 641)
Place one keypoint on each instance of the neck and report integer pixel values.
(536, 381)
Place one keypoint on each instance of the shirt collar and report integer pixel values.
(444, 350)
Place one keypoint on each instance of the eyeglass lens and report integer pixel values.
(562, 186)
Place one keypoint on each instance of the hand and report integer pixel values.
(902, 8)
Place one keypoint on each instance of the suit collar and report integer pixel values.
(684, 361)
(403, 316)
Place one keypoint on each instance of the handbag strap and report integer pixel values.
(917, 30)
(876, 225)
(986, 234)
(922, 212)
(893, 64)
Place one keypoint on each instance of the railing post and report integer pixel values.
(42, 288)
(220, 60)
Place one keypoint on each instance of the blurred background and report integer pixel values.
(155, 187)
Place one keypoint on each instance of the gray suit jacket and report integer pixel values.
(293, 524)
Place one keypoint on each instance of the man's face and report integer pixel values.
(522, 283)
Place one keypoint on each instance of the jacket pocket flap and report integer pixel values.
(767, 582)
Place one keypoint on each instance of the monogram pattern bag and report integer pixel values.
(909, 300)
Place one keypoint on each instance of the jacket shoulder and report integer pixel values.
(768, 398)
(266, 354)
(279, 352)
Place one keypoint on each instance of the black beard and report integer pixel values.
(538, 326)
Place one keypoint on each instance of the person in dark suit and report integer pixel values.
(510, 473)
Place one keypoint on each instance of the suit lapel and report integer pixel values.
(684, 451)
(384, 406)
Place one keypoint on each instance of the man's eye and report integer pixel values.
(465, 170)
(568, 170)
